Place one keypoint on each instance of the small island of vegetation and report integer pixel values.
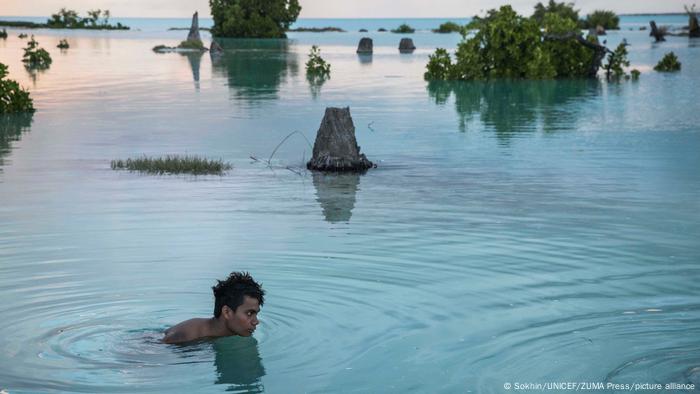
(69, 19)
(404, 29)
(13, 98)
(173, 164)
(253, 19)
(326, 29)
(448, 27)
(63, 44)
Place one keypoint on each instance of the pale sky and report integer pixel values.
(330, 8)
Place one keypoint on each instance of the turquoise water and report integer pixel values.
(513, 232)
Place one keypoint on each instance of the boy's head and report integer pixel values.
(232, 291)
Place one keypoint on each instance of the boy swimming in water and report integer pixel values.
(237, 302)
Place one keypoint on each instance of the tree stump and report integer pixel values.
(335, 148)
(365, 46)
(194, 29)
(406, 45)
(215, 49)
(693, 28)
(657, 33)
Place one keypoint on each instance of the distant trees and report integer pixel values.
(564, 10)
(253, 18)
(69, 19)
(607, 19)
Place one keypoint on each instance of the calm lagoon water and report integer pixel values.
(512, 232)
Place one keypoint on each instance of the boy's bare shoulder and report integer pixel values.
(188, 330)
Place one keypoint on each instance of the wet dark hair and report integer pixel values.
(230, 292)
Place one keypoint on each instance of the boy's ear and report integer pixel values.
(226, 310)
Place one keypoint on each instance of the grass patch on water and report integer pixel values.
(173, 164)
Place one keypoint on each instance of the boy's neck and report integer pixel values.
(217, 327)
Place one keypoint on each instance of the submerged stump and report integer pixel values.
(365, 46)
(336, 149)
(657, 33)
(406, 45)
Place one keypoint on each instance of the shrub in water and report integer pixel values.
(404, 28)
(669, 63)
(22, 35)
(507, 45)
(3, 34)
(614, 69)
(35, 57)
(316, 65)
(63, 44)
(173, 165)
(12, 97)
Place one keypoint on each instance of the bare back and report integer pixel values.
(188, 330)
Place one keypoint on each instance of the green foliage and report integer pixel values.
(439, 65)
(3, 34)
(63, 44)
(448, 27)
(12, 97)
(617, 60)
(173, 165)
(507, 45)
(69, 19)
(35, 57)
(22, 35)
(669, 63)
(160, 47)
(569, 58)
(253, 18)
(316, 65)
(608, 19)
(191, 44)
(404, 29)
(563, 10)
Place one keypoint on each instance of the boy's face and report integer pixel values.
(244, 319)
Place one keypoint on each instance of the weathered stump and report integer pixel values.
(194, 29)
(406, 45)
(335, 148)
(365, 46)
(215, 49)
(693, 28)
(657, 33)
(600, 30)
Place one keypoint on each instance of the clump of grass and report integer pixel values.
(404, 29)
(192, 44)
(63, 44)
(669, 63)
(173, 164)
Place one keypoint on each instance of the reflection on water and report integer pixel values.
(255, 67)
(195, 60)
(364, 58)
(239, 365)
(11, 128)
(336, 194)
(510, 107)
(316, 83)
